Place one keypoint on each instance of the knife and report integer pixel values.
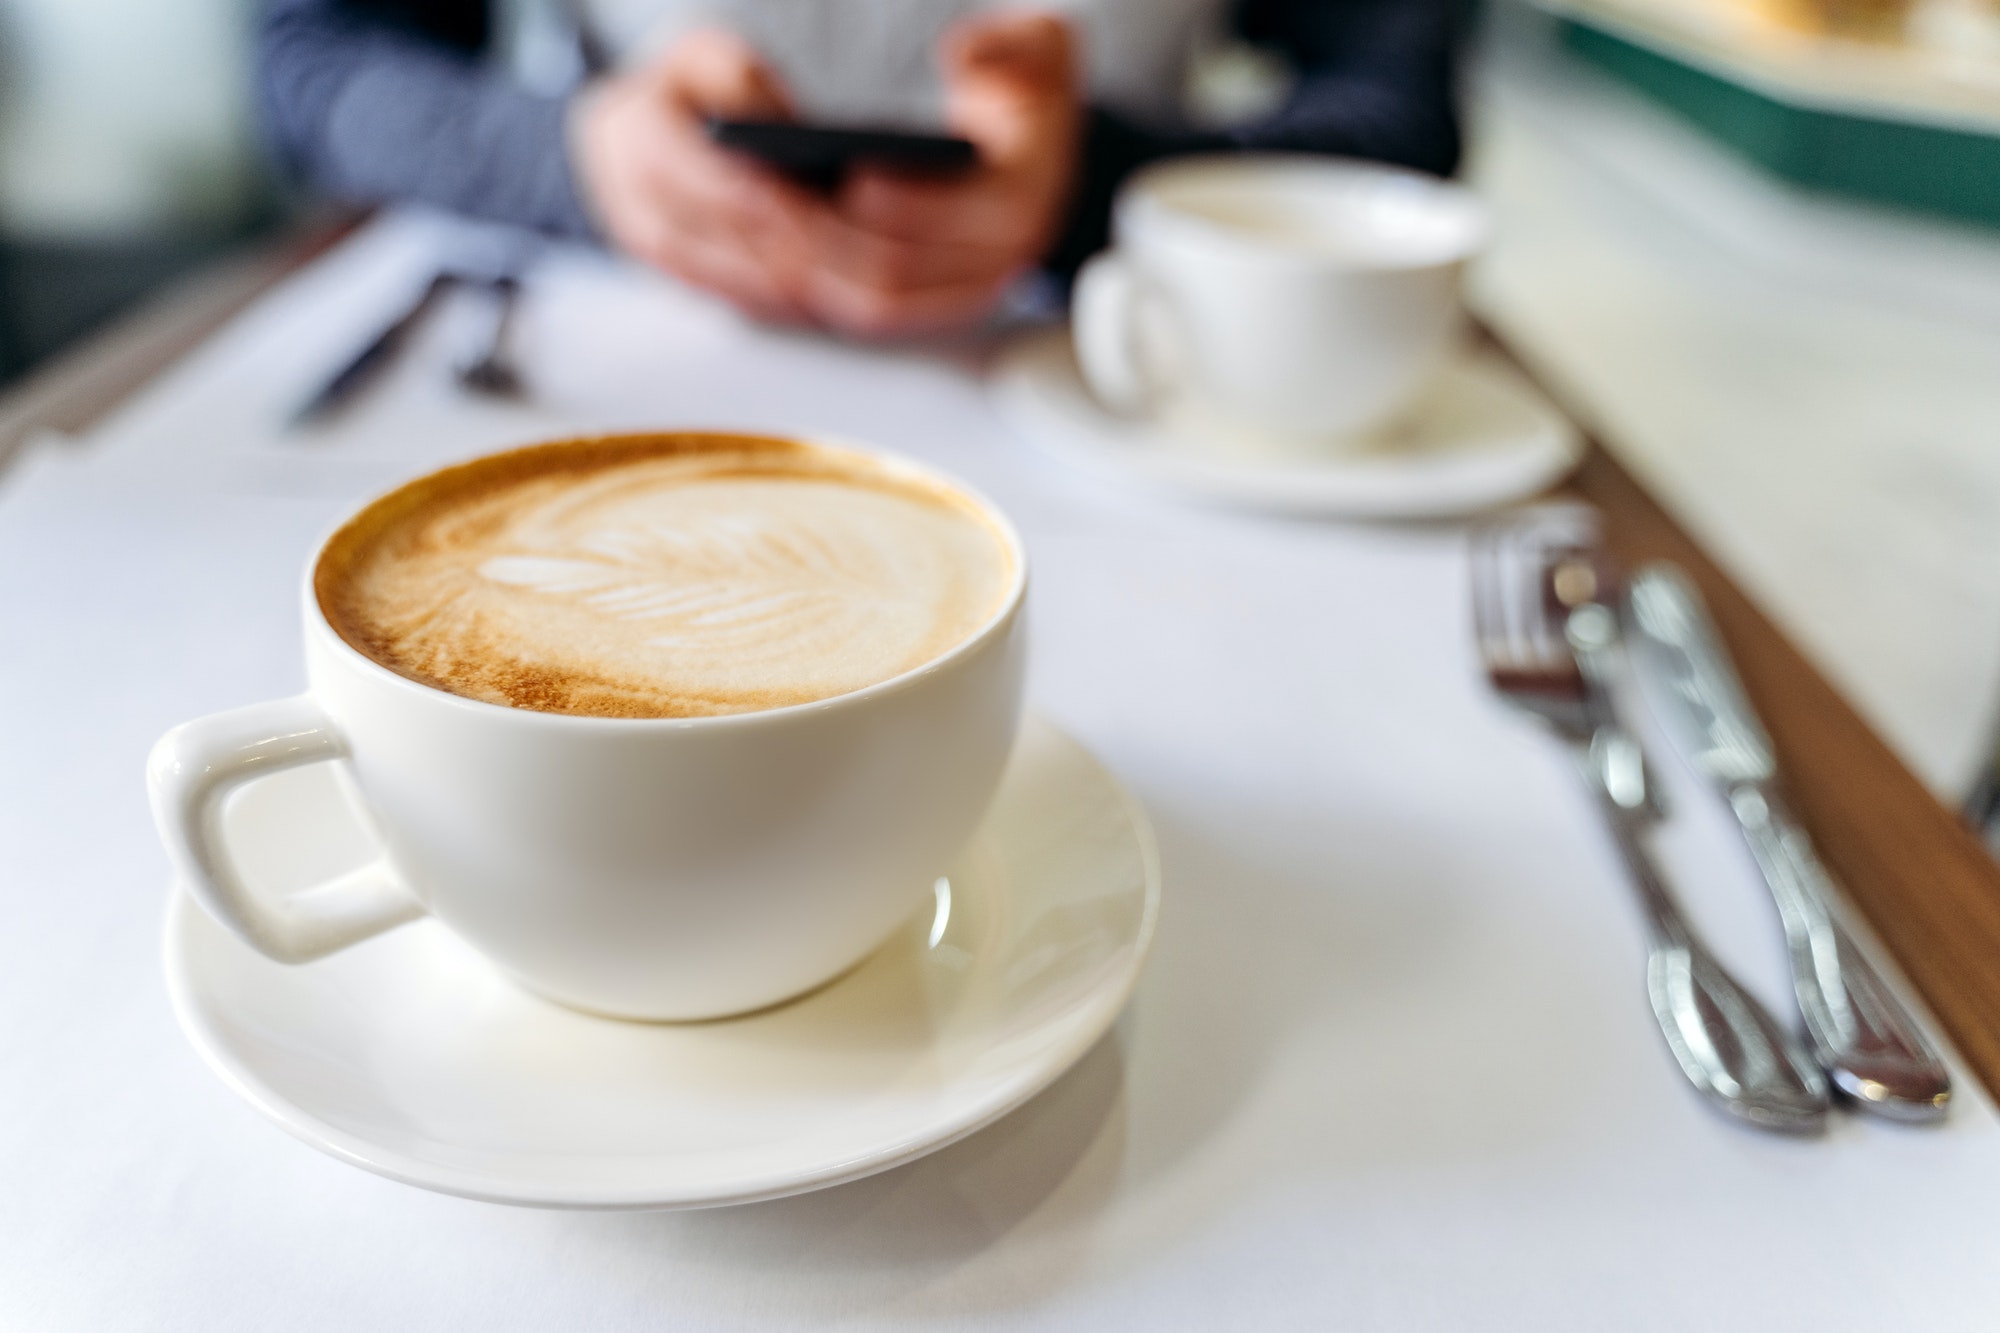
(1868, 1043)
(365, 365)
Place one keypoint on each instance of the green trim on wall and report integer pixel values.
(1930, 167)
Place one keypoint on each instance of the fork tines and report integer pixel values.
(1518, 609)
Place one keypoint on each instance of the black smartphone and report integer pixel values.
(821, 154)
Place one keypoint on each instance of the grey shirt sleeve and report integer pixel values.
(370, 104)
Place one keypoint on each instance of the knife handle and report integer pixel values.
(1864, 1037)
(373, 358)
(1728, 1046)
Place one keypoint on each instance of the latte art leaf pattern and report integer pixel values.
(677, 582)
(722, 580)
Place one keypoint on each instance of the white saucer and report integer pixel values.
(412, 1057)
(1481, 436)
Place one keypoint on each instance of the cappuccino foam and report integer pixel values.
(1367, 217)
(663, 576)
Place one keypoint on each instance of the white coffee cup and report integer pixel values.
(1298, 300)
(669, 868)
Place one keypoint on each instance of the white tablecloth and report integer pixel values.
(1391, 1068)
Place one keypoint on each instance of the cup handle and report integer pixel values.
(196, 765)
(1105, 315)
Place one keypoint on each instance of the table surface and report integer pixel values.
(1392, 1060)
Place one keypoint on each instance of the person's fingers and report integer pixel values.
(670, 197)
(852, 307)
(714, 72)
(1011, 82)
(1026, 48)
(699, 175)
(942, 249)
(670, 164)
(638, 155)
(721, 263)
(860, 287)
(903, 263)
(748, 261)
(970, 211)
(890, 254)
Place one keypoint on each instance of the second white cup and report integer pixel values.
(1301, 300)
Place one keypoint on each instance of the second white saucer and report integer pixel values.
(1480, 436)
(412, 1057)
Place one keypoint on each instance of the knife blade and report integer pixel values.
(1868, 1042)
(373, 358)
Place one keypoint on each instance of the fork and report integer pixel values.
(1548, 643)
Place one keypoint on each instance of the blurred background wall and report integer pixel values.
(127, 154)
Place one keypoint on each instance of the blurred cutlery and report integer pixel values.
(1867, 1042)
(1982, 807)
(366, 365)
(494, 372)
(1547, 641)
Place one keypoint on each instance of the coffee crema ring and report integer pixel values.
(664, 575)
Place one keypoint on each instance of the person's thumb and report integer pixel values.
(714, 72)
(1007, 75)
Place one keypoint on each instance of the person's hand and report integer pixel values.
(900, 253)
(665, 194)
(891, 253)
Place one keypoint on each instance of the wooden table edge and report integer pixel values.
(84, 383)
(1920, 878)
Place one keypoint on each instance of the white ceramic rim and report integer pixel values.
(994, 625)
(1089, 1022)
(1138, 210)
